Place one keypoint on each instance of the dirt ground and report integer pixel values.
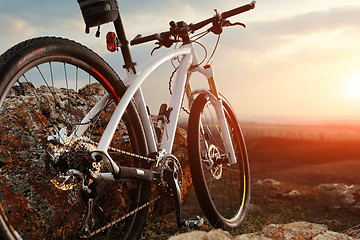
(307, 162)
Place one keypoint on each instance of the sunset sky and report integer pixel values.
(296, 59)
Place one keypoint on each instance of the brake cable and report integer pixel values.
(214, 50)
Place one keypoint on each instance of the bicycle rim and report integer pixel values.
(223, 189)
(49, 95)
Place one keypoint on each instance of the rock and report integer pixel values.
(258, 182)
(200, 235)
(293, 193)
(300, 230)
(353, 232)
(347, 192)
(333, 187)
(291, 231)
(330, 235)
(252, 236)
(269, 182)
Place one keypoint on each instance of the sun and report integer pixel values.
(352, 88)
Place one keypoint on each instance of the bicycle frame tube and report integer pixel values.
(80, 129)
(134, 91)
(175, 103)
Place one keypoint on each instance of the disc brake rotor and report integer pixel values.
(214, 157)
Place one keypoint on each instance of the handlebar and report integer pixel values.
(224, 15)
(193, 27)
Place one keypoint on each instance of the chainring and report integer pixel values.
(164, 165)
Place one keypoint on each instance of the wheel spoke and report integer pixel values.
(56, 103)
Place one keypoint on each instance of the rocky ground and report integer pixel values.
(296, 230)
(346, 197)
(314, 184)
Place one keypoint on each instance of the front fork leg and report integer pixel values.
(225, 131)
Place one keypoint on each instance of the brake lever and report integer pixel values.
(229, 24)
(163, 42)
(156, 48)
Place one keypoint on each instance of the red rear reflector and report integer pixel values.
(111, 42)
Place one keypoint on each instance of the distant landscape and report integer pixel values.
(319, 131)
(305, 154)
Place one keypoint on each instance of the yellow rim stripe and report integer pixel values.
(243, 200)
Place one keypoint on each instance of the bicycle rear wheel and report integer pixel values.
(47, 86)
(223, 190)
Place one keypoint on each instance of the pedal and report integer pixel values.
(197, 222)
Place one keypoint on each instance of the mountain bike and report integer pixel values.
(81, 156)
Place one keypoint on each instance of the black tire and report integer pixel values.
(47, 84)
(223, 190)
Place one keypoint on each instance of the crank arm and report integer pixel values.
(172, 180)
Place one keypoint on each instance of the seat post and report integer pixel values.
(124, 45)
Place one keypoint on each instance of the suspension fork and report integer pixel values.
(215, 99)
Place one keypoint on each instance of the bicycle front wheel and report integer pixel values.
(223, 189)
(48, 86)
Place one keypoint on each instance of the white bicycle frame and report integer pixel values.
(181, 85)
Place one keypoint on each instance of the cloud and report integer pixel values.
(328, 27)
(14, 27)
(330, 20)
(14, 30)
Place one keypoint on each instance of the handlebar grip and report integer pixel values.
(238, 10)
(144, 39)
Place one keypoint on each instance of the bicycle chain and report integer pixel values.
(116, 221)
(109, 225)
(122, 151)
